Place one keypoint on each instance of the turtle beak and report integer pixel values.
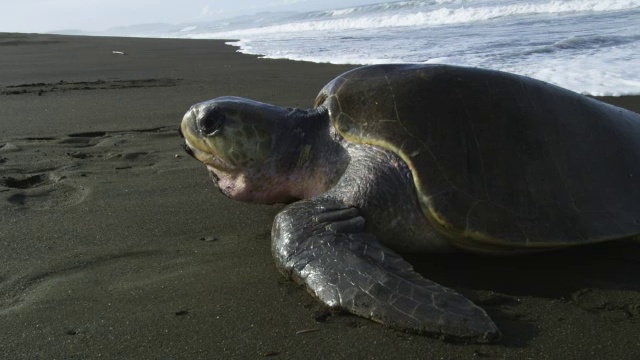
(188, 150)
(186, 147)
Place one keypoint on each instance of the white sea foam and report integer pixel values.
(589, 46)
(440, 16)
(610, 73)
(342, 12)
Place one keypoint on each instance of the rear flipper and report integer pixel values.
(321, 244)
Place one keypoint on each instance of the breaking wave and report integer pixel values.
(589, 46)
(415, 14)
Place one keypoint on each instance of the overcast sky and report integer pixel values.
(90, 15)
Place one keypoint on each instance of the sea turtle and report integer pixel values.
(422, 158)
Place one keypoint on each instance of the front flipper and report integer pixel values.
(322, 244)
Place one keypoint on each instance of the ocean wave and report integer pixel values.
(609, 73)
(380, 8)
(364, 9)
(588, 46)
(435, 17)
(584, 43)
(597, 73)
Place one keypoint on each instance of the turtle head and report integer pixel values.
(246, 146)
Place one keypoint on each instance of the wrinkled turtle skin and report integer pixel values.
(422, 158)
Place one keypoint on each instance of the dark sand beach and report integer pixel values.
(114, 243)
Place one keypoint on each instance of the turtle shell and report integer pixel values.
(498, 160)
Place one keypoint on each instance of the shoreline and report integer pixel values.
(114, 243)
(626, 101)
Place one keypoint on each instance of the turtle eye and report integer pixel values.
(211, 121)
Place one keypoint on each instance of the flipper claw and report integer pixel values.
(352, 225)
(336, 215)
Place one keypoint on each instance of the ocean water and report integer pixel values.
(589, 46)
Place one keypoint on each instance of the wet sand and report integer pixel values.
(114, 243)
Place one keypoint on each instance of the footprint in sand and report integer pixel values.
(40, 191)
(614, 306)
(132, 149)
(46, 172)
